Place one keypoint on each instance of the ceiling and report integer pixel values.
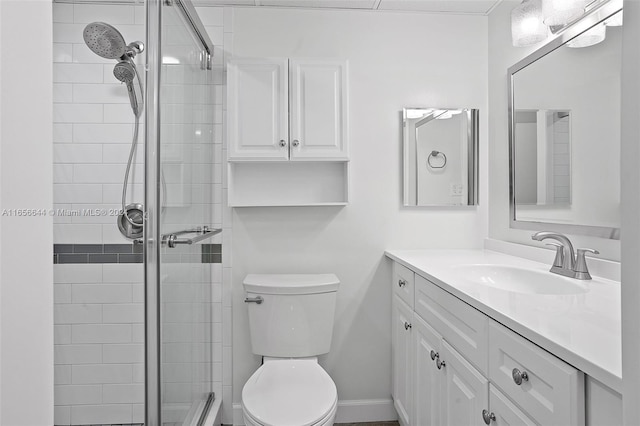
(479, 7)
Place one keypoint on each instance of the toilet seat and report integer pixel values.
(290, 392)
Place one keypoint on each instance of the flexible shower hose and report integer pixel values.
(134, 144)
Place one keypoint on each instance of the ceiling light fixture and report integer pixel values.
(590, 37)
(562, 12)
(615, 20)
(527, 27)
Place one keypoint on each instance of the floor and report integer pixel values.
(368, 424)
(335, 424)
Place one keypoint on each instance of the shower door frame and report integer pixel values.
(152, 229)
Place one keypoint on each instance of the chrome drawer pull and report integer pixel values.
(440, 364)
(434, 355)
(519, 376)
(401, 283)
(407, 326)
(488, 417)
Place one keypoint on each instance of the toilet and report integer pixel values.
(291, 323)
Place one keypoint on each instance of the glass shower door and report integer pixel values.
(181, 215)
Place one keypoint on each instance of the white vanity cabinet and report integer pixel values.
(402, 342)
(287, 132)
(287, 109)
(464, 368)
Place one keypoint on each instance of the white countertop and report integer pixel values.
(583, 329)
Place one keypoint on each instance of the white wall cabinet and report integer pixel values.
(453, 365)
(258, 108)
(282, 109)
(287, 132)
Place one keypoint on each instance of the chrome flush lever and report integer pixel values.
(257, 299)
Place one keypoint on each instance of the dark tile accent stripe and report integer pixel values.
(128, 253)
(73, 258)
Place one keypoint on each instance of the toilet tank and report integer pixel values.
(295, 318)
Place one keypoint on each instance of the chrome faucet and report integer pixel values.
(566, 263)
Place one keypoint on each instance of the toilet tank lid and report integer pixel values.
(291, 283)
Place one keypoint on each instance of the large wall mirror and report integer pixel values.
(564, 118)
(440, 156)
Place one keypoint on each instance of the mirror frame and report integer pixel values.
(473, 137)
(591, 18)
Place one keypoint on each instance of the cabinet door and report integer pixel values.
(465, 392)
(427, 377)
(506, 412)
(402, 360)
(257, 108)
(318, 110)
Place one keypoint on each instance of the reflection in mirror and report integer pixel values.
(543, 162)
(565, 133)
(440, 156)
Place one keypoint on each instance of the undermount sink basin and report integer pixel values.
(520, 280)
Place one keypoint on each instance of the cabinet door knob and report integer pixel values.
(407, 326)
(296, 142)
(434, 355)
(282, 143)
(519, 376)
(401, 283)
(440, 364)
(488, 417)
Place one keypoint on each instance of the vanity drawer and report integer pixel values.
(403, 283)
(553, 391)
(462, 326)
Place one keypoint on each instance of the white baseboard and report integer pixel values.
(349, 411)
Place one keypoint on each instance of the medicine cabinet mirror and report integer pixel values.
(564, 131)
(440, 156)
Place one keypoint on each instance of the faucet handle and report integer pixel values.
(559, 260)
(581, 270)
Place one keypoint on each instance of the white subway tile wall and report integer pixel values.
(99, 308)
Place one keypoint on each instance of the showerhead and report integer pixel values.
(104, 40)
(124, 72)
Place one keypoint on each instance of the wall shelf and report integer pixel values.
(289, 183)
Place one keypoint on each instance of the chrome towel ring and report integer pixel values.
(434, 155)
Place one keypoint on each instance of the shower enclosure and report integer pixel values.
(124, 355)
(179, 208)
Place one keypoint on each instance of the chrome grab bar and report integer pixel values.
(203, 233)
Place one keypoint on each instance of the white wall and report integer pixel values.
(502, 55)
(396, 60)
(630, 217)
(26, 310)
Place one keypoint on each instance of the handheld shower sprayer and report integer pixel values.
(107, 42)
(125, 72)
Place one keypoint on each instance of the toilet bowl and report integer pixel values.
(290, 322)
(289, 392)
